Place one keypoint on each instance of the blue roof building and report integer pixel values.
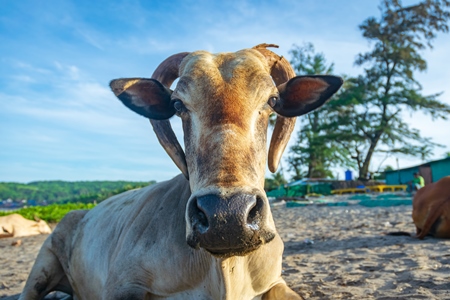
(431, 171)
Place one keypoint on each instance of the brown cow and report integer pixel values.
(15, 225)
(431, 209)
(206, 234)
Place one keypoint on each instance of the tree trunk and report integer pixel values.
(313, 159)
(365, 167)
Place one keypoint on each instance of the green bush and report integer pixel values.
(52, 213)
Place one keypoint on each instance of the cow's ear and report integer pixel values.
(303, 94)
(147, 97)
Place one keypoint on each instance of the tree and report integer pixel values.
(388, 168)
(369, 106)
(314, 147)
(65, 191)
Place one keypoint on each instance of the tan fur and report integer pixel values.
(237, 156)
(281, 291)
(15, 225)
(431, 204)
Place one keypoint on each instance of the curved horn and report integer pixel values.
(281, 71)
(166, 73)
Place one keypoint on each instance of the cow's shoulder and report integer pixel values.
(423, 193)
(166, 191)
(443, 185)
(60, 241)
(177, 187)
(154, 212)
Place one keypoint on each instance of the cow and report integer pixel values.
(14, 225)
(431, 209)
(208, 233)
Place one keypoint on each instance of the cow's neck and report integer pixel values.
(244, 277)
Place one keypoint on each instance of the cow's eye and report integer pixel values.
(178, 105)
(273, 101)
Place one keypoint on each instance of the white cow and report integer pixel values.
(206, 234)
(15, 225)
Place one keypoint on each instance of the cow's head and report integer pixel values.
(224, 101)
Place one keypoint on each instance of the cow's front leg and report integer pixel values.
(281, 291)
(46, 275)
(418, 231)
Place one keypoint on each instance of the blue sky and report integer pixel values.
(59, 120)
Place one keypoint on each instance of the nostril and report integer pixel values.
(253, 211)
(202, 219)
(197, 215)
(254, 215)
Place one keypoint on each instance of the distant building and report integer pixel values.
(431, 171)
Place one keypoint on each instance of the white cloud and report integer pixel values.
(146, 44)
(90, 37)
(23, 78)
(25, 66)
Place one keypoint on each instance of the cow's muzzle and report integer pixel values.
(227, 226)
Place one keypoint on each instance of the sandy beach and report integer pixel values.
(330, 253)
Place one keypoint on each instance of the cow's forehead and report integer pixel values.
(225, 75)
(225, 63)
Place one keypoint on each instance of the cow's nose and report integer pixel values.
(227, 224)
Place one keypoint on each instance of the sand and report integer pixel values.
(330, 253)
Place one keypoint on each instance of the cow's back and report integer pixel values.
(431, 209)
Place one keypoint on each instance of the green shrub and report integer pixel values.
(52, 213)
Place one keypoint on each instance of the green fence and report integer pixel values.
(300, 190)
